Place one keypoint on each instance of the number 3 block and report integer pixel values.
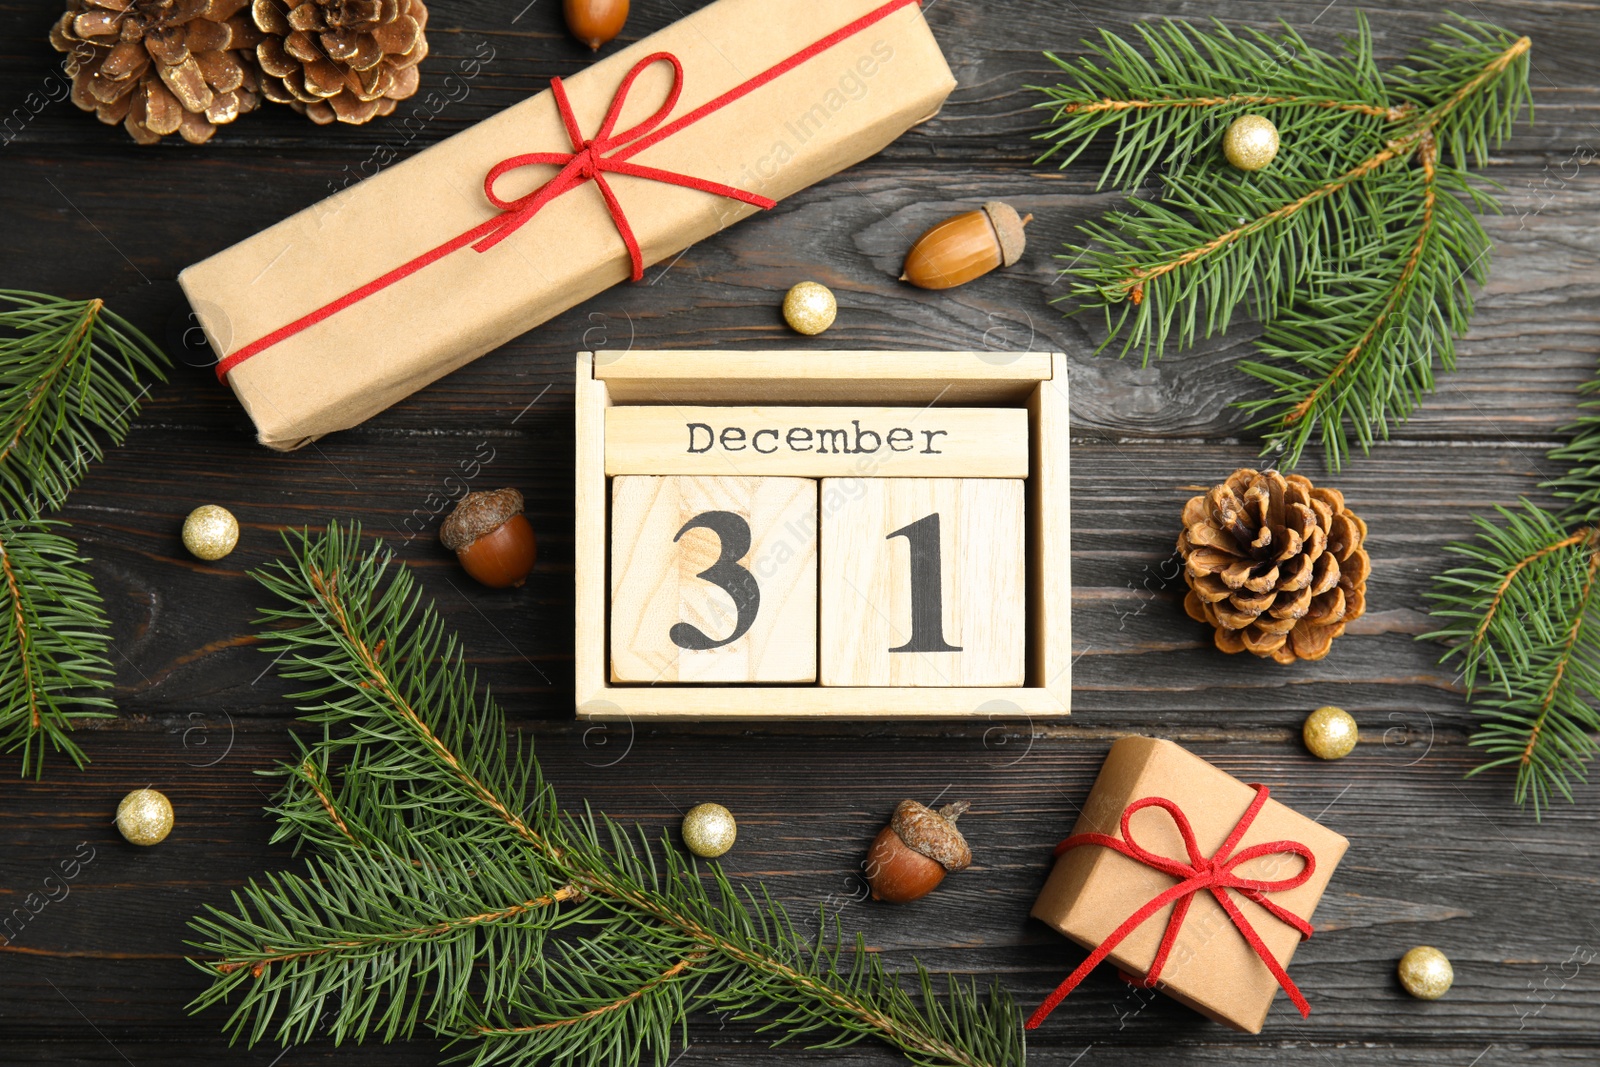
(922, 582)
(713, 579)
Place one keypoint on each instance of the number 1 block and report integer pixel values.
(922, 582)
(713, 579)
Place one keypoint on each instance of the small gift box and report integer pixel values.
(1190, 880)
(347, 307)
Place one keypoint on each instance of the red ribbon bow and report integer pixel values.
(588, 161)
(1200, 872)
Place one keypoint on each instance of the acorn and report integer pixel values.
(967, 246)
(594, 22)
(491, 538)
(910, 856)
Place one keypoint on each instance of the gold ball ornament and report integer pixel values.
(144, 817)
(810, 308)
(210, 532)
(1251, 142)
(1330, 733)
(1426, 973)
(709, 830)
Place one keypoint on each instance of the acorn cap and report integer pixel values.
(478, 514)
(933, 833)
(1008, 227)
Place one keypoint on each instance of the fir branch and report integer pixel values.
(71, 374)
(338, 618)
(441, 856)
(367, 940)
(1394, 295)
(1354, 248)
(1165, 110)
(1522, 621)
(616, 1004)
(321, 788)
(270, 956)
(53, 640)
(1580, 484)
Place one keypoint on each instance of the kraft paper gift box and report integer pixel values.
(1211, 967)
(882, 74)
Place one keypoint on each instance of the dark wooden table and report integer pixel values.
(100, 976)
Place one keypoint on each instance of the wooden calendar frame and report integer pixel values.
(1034, 381)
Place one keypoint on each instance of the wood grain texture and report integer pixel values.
(591, 503)
(732, 562)
(1050, 534)
(818, 442)
(922, 379)
(98, 978)
(923, 582)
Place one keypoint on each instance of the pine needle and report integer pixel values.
(1355, 247)
(447, 893)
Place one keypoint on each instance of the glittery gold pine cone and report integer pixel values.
(344, 60)
(1276, 566)
(160, 66)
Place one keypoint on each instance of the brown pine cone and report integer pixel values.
(160, 66)
(340, 59)
(1276, 566)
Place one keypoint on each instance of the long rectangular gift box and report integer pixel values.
(332, 315)
(1270, 863)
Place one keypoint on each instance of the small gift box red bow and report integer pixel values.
(1234, 874)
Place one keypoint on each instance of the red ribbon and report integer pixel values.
(1201, 872)
(588, 162)
(590, 159)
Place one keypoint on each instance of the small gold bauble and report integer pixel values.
(210, 532)
(1251, 142)
(1330, 733)
(709, 830)
(145, 817)
(810, 308)
(1426, 973)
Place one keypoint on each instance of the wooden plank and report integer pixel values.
(983, 119)
(782, 703)
(1533, 340)
(98, 978)
(1439, 875)
(1050, 533)
(185, 629)
(821, 377)
(589, 531)
(713, 580)
(825, 367)
(818, 442)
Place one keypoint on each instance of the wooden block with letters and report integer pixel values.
(713, 579)
(773, 534)
(923, 582)
(819, 442)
